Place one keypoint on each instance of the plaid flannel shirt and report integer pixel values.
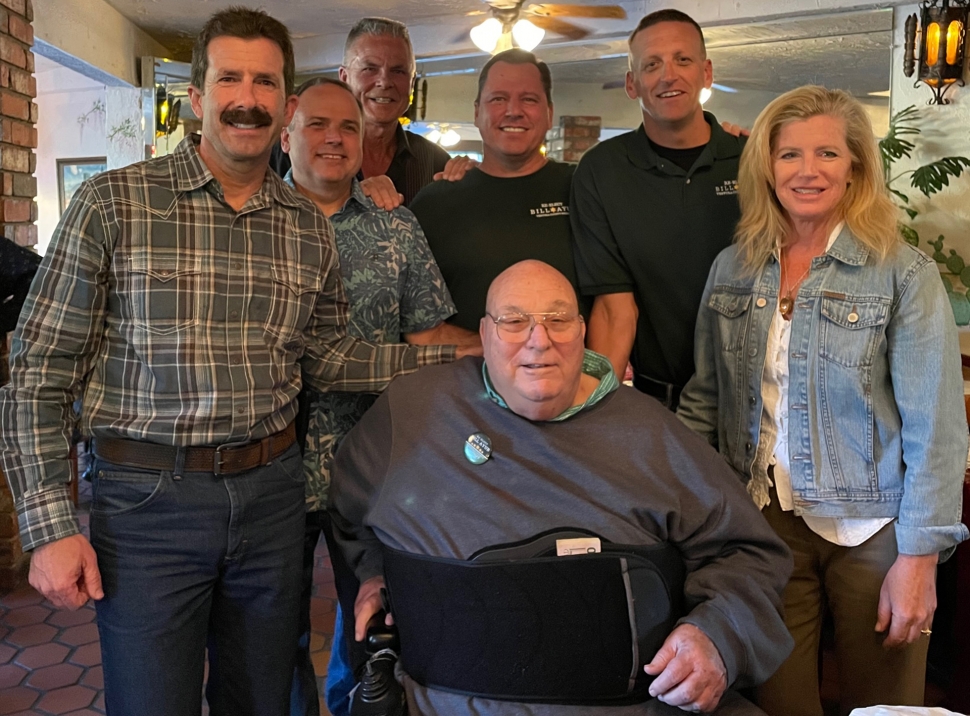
(180, 321)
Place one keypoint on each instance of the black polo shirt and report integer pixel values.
(642, 224)
(413, 167)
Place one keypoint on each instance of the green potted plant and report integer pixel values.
(928, 179)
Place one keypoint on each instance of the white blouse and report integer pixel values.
(773, 443)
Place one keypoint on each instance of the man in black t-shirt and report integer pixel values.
(651, 209)
(515, 206)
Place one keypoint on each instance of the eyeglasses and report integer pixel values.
(517, 327)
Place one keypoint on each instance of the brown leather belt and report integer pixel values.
(222, 460)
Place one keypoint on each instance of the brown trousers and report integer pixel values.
(846, 582)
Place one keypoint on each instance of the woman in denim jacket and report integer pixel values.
(828, 375)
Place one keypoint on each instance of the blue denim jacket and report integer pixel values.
(877, 426)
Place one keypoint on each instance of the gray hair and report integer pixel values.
(378, 26)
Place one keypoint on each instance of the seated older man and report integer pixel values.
(554, 543)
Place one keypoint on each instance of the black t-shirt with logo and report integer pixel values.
(643, 224)
(481, 225)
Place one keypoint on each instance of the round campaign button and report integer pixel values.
(478, 448)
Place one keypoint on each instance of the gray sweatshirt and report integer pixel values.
(624, 468)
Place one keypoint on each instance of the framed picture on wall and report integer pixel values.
(71, 172)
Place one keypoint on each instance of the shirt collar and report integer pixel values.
(594, 365)
(402, 145)
(356, 193)
(721, 145)
(844, 247)
(191, 173)
(401, 138)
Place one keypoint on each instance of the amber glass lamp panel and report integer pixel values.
(954, 38)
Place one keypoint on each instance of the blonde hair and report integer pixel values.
(866, 207)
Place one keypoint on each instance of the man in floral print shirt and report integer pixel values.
(396, 293)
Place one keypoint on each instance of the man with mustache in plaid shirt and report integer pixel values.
(182, 298)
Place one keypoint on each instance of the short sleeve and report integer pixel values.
(600, 266)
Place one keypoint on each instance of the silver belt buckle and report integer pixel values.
(217, 461)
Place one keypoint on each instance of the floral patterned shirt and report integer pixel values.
(394, 287)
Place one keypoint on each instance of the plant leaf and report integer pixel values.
(899, 194)
(909, 234)
(912, 212)
(931, 178)
(892, 147)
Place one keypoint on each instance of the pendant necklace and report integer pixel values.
(787, 303)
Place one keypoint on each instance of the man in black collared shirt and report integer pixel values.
(652, 208)
(379, 67)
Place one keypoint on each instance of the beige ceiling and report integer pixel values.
(850, 50)
(324, 22)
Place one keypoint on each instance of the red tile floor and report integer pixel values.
(50, 660)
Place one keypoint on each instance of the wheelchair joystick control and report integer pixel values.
(379, 693)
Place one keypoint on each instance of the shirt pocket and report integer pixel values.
(294, 294)
(851, 329)
(163, 291)
(732, 313)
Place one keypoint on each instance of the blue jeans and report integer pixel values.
(340, 677)
(304, 699)
(196, 563)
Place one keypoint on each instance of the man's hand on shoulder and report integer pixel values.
(456, 168)
(66, 572)
(470, 349)
(735, 130)
(382, 192)
(690, 672)
(467, 343)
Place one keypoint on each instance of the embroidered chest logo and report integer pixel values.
(555, 208)
(728, 187)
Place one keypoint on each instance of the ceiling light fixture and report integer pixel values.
(486, 35)
(705, 94)
(442, 135)
(940, 37)
(527, 35)
(449, 138)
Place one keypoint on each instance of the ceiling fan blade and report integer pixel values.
(461, 37)
(560, 27)
(614, 84)
(552, 10)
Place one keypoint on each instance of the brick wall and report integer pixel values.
(18, 210)
(574, 136)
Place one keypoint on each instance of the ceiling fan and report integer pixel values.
(509, 24)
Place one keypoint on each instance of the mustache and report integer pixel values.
(255, 115)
